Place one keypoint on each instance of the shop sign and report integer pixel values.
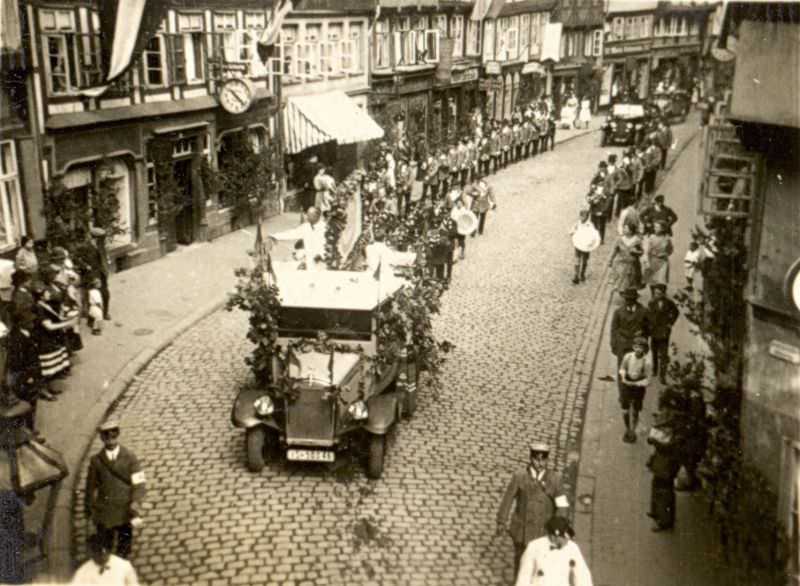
(534, 67)
(465, 76)
(493, 68)
(491, 84)
(622, 49)
(409, 86)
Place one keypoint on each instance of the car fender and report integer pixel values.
(243, 413)
(382, 413)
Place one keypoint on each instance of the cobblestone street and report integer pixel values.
(517, 323)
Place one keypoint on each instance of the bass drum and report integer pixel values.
(466, 223)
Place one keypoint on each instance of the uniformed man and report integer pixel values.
(628, 321)
(444, 172)
(463, 161)
(473, 157)
(506, 139)
(496, 147)
(537, 494)
(430, 182)
(516, 140)
(115, 490)
(485, 150)
(454, 163)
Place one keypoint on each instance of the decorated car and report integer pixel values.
(626, 124)
(335, 376)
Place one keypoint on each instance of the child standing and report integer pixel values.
(585, 238)
(95, 307)
(633, 380)
(691, 262)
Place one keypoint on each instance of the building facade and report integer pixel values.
(513, 54)
(163, 113)
(581, 50)
(425, 68)
(325, 61)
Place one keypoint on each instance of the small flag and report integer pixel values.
(330, 368)
(377, 274)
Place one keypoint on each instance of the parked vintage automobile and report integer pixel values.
(625, 124)
(673, 105)
(327, 391)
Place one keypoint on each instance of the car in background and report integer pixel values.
(673, 105)
(626, 124)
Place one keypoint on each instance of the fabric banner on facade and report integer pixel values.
(479, 9)
(551, 42)
(315, 119)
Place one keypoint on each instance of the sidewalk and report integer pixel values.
(151, 305)
(614, 533)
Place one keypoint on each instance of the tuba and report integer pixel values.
(466, 222)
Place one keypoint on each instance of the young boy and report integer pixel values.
(691, 262)
(585, 238)
(633, 379)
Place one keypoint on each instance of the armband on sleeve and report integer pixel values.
(138, 478)
(562, 502)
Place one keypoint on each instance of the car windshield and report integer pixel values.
(337, 323)
(628, 111)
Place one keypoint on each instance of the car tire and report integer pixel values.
(410, 403)
(256, 439)
(375, 457)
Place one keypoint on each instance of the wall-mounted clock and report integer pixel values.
(236, 95)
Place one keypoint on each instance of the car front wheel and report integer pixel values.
(256, 439)
(377, 448)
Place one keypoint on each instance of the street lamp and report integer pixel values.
(26, 466)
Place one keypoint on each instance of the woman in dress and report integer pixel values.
(625, 260)
(658, 248)
(50, 335)
(586, 112)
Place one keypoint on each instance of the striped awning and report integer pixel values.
(315, 119)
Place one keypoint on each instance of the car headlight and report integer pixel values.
(358, 410)
(264, 406)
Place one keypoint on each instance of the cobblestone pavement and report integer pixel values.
(517, 323)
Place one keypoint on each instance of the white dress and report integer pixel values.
(586, 111)
(543, 565)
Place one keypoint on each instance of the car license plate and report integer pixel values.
(310, 455)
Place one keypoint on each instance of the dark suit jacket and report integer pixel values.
(626, 325)
(661, 317)
(534, 504)
(113, 490)
(90, 260)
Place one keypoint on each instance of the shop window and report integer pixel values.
(154, 59)
(457, 28)
(382, 45)
(182, 147)
(474, 37)
(12, 222)
(191, 40)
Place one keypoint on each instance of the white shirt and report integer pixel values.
(543, 565)
(313, 238)
(117, 572)
(112, 454)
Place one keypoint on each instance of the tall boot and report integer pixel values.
(584, 264)
(577, 278)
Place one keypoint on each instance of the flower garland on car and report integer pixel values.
(337, 218)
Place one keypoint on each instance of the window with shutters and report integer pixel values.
(440, 24)
(154, 60)
(12, 220)
(420, 25)
(254, 24)
(190, 27)
(524, 34)
(228, 34)
(152, 195)
(501, 51)
(535, 42)
(58, 36)
(512, 38)
(474, 37)
(329, 61)
(457, 32)
(488, 40)
(289, 46)
(432, 46)
(353, 48)
(597, 43)
(382, 49)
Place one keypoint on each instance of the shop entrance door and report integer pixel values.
(184, 220)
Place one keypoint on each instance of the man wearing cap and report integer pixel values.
(659, 212)
(662, 313)
(634, 377)
(628, 321)
(537, 494)
(115, 489)
(554, 560)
